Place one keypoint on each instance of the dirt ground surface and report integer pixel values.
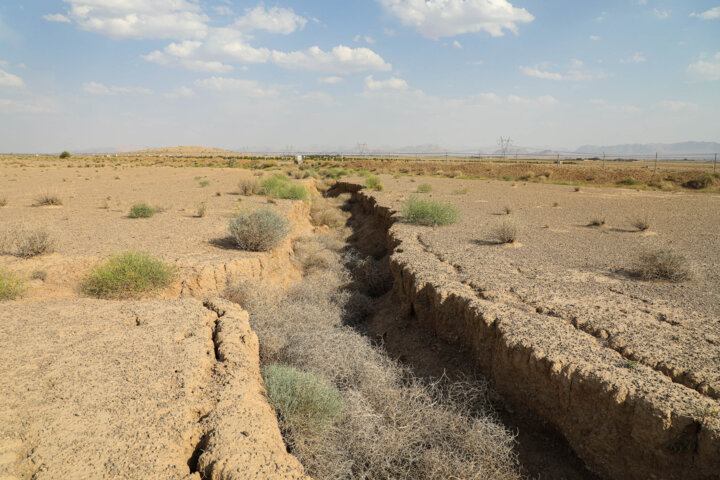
(562, 267)
(626, 369)
(97, 389)
(87, 232)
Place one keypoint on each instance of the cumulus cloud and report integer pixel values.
(7, 79)
(181, 92)
(57, 17)
(573, 74)
(391, 84)
(712, 14)
(637, 57)
(340, 59)
(274, 20)
(705, 69)
(247, 88)
(662, 14)
(332, 80)
(544, 100)
(448, 18)
(96, 88)
(139, 19)
(34, 105)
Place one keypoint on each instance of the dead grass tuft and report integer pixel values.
(662, 264)
(47, 199)
(597, 221)
(27, 242)
(642, 223)
(249, 186)
(506, 232)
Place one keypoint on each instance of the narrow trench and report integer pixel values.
(536, 451)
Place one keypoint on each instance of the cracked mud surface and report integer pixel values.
(95, 389)
(529, 316)
(578, 274)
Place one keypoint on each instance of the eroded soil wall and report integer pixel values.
(625, 422)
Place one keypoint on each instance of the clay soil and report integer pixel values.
(562, 267)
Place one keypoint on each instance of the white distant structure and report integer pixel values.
(298, 159)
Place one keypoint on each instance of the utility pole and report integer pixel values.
(446, 157)
(558, 159)
(603, 160)
(715, 163)
(655, 171)
(516, 160)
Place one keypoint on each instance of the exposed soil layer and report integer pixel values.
(625, 419)
(159, 389)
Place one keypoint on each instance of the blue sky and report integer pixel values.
(389, 73)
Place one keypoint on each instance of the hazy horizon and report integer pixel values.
(89, 74)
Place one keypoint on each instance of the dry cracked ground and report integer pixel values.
(170, 387)
(165, 388)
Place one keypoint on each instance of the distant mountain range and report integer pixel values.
(690, 148)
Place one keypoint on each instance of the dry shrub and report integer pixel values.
(3, 201)
(323, 212)
(642, 223)
(393, 425)
(201, 210)
(47, 199)
(258, 231)
(662, 264)
(506, 232)
(29, 242)
(597, 221)
(312, 254)
(249, 186)
(370, 277)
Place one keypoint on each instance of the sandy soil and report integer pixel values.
(94, 389)
(563, 268)
(87, 232)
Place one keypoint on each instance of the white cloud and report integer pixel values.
(705, 69)
(661, 14)
(575, 63)
(457, 44)
(7, 79)
(637, 57)
(330, 80)
(223, 10)
(96, 88)
(248, 88)
(391, 84)
(57, 17)
(677, 106)
(35, 105)
(544, 100)
(712, 14)
(601, 17)
(487, 97)
(448, 18)
(594, 38)
(274, 20)
(181, 92)
(573, 74)
(139, 19)
(4, 63)
(340, 59)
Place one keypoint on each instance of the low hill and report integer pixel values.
(183, 152)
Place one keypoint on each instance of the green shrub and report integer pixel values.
(303, 400)
(11, 286)
(258, 231)
(424, 211)
(662, 264)
(128, 275)
(65, 154)
(703, 181)
(280, 186)
(424, 188)
(204, 183)
(141, 210)
(373, 183)
(628, 181)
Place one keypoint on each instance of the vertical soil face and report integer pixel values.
(623, 422)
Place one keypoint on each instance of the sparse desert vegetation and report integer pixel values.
(128, 275)
(597, 221)
(662, 264)
(259, 230)
(423, 211)
(249, 186)
(641, 223)
(47, 199)
(506, 232)
(424, 188)
(373, 183)
(141, 210)
(11, 287)
(280, 186)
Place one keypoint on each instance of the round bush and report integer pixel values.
(128, 275)
(11, 286)
(425, 211)
(258, 231)
(141, 210)
(303, 400)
